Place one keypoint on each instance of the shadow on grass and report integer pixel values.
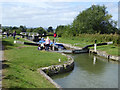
(16, 79)
(14, 88)
(3, 61)
(6, 45)
(5, 66)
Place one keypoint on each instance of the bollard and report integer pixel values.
(53, 45)
(95, 46)
(15, 41)
(59, 60)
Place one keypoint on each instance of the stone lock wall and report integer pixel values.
(104, 54)
(57, 69)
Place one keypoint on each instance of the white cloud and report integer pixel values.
(59, 1)
(0, 13)
(112, 9)
(37, 13)
(44, 14)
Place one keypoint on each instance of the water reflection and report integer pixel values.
(94, 60)
(88, 63)
(62, 75)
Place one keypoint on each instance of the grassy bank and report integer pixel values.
(21, 64)
(87, 39)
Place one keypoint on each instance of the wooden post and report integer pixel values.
(95, 46)
(33, 36)
(53, 45)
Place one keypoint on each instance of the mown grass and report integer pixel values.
(110, 49)
(23, 63)
(0, 36)
(87, 39)
(20, 39)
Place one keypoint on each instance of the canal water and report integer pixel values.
(90, 72)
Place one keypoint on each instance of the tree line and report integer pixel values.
(90, 21)
(21, 28)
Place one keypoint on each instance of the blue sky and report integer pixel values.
(45, 14)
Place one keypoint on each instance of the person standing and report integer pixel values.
(55, 35)
(53, 47)
(14, 34)
(47, 44)
(39, 47)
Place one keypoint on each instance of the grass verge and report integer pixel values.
(21, 64)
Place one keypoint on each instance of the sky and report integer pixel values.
(36, 13)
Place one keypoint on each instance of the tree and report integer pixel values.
(50, 29)
(60, 30)
(40, 30)
(22, 28)
(94, 20)
(29, 29)
(5, 28)
(14, 28)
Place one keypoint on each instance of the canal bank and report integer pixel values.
(90, 71)
(52, 70)
(104, 83)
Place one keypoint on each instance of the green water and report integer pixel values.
(90, 72)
